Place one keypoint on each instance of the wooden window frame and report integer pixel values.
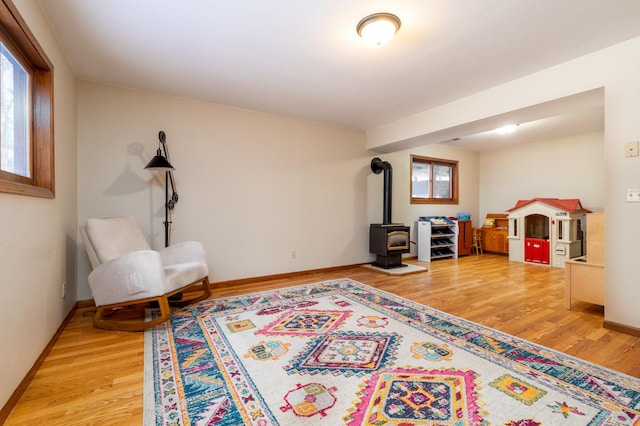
(17, 33)
(440, 162)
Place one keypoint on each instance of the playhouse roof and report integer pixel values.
(570, 205)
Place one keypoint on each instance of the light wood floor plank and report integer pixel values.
(95, 377)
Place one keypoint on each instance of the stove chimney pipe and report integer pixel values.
(377, 166)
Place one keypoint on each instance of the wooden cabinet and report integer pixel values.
(464, 237)
(595, 238)
(583, 281)
(495, 241)
(495, 233)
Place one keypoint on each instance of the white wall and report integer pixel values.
(307, 188)
(38, 236)
(570, 167)
(405, 212)
(492, 181)
(617, 70)
(253, 187)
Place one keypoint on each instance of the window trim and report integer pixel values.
(434, 161)
(42, 181)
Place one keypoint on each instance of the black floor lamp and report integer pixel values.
(161, 163)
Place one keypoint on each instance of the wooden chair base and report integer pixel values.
(100, 320)
(476, 241)
(477, 248)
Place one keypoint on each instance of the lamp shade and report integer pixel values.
(159, 162)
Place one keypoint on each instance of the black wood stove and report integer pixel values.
(388, 241)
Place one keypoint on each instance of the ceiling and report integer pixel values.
(304, 59)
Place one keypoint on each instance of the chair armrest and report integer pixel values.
(132, 276)
(184, 252)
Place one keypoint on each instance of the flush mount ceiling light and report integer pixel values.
(379, 28)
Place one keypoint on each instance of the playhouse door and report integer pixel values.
(536, 250)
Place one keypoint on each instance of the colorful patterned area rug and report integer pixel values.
(343, 353)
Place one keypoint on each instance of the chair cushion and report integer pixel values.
(91, 252)
(115, 236)
(181, 274)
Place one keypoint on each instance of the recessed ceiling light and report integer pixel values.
(379, 28)
(507, 129)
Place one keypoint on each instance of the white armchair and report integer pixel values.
(127, 272)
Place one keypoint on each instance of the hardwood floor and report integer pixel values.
(95, 376)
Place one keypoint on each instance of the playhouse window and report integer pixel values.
(537, 226)
(579, 230)
(513, 228)
(561, 231)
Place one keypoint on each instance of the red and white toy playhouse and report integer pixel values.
(546, 231)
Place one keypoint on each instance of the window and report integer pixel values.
(433, 181)
(14, 109)
(513, 228)
(26, 109)
(561, 234)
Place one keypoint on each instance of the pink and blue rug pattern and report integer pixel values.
(343, 353)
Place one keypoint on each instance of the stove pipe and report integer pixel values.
(377, 166)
